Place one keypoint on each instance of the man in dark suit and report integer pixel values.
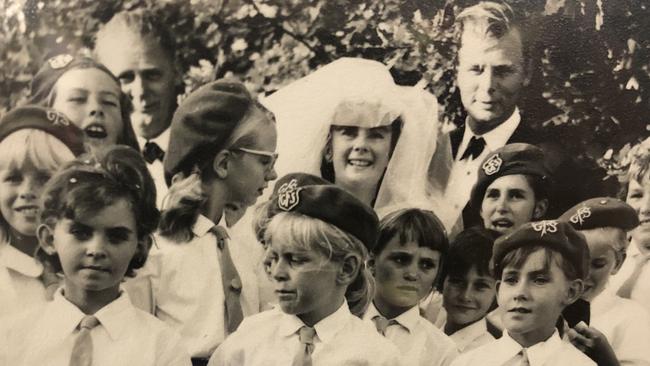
(493, 69)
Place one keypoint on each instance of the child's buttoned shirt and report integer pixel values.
(419, 341)
(552, 352)
(626, 325)
(20, 285)
(125, 335)
(188, 290)
(271, 338)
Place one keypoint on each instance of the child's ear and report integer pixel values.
(141, 252)
(540, 209)
(45, 237)
(221, 163)
(574, 291)
(371, 264)
(350, 267)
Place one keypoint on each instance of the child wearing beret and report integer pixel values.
(633, 279)
(349, 123)
(619, 331)
(96, 219)
(469, 289)
(512, 187)
(221, 155)
(540, 268)
(406, 263)
(317, 238)
(89, 95)
(34, 143)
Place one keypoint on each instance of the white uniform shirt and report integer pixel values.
(552, 352)
(156, 168)
(271, 338)
(641, 291)
(472, 336)
(45, 335)
(20, 285)
(465, 172)
(626, 325)
(419, 341)
(187, 288)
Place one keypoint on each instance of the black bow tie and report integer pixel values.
(474, 148)
(152, 151)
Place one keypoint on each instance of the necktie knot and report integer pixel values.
(381, 323)
(88, 322)
(151, 152)
(221, 234)
(474, 148)
(306, 335)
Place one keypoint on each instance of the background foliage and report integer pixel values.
(591, 84)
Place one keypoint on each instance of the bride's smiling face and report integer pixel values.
(360, 155)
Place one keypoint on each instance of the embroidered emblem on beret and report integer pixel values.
(288, 195)
(546, 226)
(580, 216)
(57, 118)
(60, 61)
(492, 165)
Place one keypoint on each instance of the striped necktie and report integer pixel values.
(230, 280)
(82, 350)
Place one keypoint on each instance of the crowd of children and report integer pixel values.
(348, 261)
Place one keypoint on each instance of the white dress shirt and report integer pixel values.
(626, 325)
(20, 285)
(470, 337)
(125, 336)
(552, 352)
(156, 167)
(640, 291)
(187, 288)
(271, 338)
(465, 172)
(419, 341)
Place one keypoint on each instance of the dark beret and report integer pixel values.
(329, 203)
(518, 158)
(559, 236)
(44, 119)
(51, 71)
(601, 212)
(203, 123)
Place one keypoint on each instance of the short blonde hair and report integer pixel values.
(617, 237)
(41, 149)
(313, 234)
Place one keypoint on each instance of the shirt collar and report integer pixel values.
(465, 336)
(20, 262)
(408, 319)
(116, 317)
(496, 137)
(202, 225)
(161, 140)
(326, 329)
(542, 351)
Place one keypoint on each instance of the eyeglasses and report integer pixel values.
(269, 154)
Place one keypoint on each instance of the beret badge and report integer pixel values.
(60, 61)
(580, 216)
(546, 226)
(288, 197)
(57, 118)
(492, 165)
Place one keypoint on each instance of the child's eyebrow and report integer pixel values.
(109, 93)
(119, 230)
(79, 90)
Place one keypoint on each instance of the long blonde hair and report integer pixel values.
(313, 234)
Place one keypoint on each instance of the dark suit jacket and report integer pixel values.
(574, 180)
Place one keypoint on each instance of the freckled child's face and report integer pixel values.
(304, 281)
(404, 274)
(602, 264)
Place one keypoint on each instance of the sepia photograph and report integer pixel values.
(325, 182)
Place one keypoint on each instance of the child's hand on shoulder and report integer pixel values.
(593, 343)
